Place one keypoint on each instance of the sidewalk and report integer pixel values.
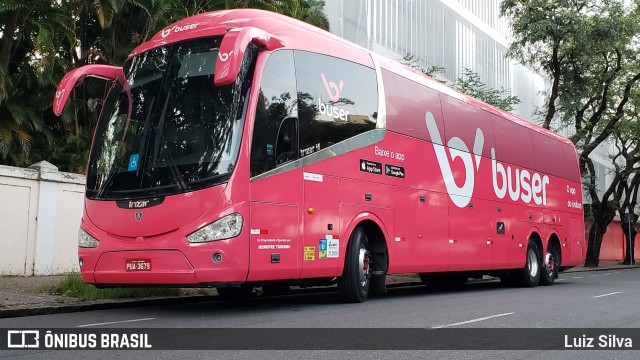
(26, 296)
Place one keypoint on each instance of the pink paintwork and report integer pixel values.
(70, 80)
(467, 167)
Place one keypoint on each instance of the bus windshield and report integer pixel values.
(168, 129)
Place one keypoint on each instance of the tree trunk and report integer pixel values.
(7, 39)
(596, 233)
(629, 230)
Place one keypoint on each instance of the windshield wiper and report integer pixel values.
(175, 172)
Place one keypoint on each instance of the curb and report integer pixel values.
(194, 299)
(107, 305)
(587, 269)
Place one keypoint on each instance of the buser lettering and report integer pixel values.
(520, 183)
(332, 111)
(533, 186)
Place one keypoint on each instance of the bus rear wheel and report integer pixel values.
(550, 266)
(530, 275)
(354, 283)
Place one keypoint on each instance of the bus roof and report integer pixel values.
(295, 34)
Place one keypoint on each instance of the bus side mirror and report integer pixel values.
(69, 81)
(232, 50)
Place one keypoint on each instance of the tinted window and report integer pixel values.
(337, 99)
(169, 130)
(275, 138)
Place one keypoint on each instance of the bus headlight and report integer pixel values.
(85, 240)
(225, 228)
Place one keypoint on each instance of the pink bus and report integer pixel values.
(243, 148)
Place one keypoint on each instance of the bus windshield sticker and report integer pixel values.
(309, 253)
(395, 171)
(133, 162)
(371, 167)
(322, 249)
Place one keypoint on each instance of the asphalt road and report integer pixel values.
(599, 299)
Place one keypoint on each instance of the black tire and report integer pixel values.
(550, 266)
(354, 283)
(529, 276)
(236, 294)
(444, 280)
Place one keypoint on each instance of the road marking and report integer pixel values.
(116, 322)
(594, 275)
(472, 321)
(606, 274)
(561, 279)
(613, 293)
(577, 277)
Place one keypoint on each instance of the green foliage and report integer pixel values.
(72, 286)
(47, 35)
(589, 51)
(470, 84)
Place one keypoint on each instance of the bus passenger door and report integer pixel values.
(321, 242)
(276, 183)
(275, 234)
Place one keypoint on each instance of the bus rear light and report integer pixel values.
(225, 228)
(85, 240)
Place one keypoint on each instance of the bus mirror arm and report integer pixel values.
(232, 49)
(71, 79)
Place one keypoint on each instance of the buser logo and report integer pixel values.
(333, 91)
(524, 185)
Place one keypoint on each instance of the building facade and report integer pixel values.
(452, 34)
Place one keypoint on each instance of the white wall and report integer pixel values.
(40, 211)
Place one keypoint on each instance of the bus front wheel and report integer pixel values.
(354, 283)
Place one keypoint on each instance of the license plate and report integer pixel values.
(138, 265)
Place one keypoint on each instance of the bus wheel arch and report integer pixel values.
(366, 247)
(552, 260)
(530, 274)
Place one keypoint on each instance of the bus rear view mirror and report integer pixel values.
(69, 81)
(232, 50)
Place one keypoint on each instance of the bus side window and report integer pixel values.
(275, 129)
(337, 100)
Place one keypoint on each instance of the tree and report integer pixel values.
(30, 64)
(469, 83)
(589, 51)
